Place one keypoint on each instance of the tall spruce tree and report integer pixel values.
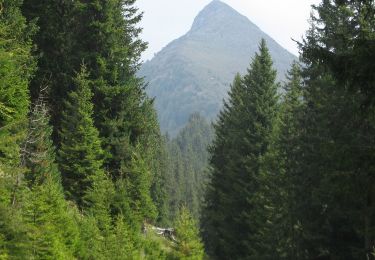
(81, 163)
(54, 41)
(152, 147)
(52, 230)
(217, 200)
(105, 35)
(80, 156)
(286, 226)
(16, 69)
(338, 188)
(124, 116)
(111, 49)
(233, 217)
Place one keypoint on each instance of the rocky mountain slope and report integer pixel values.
(194, 72)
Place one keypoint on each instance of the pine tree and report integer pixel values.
(188, 158)
(234, 211)
(14, 242)
(286, 229)
(348, 57)
(120, 244)
(331, 192)
(121, 106)
(175, 180)
(55, 41)
(154, 147)
(189, 245)
(16, 69)
(91, 239)
(80, 156)
(338, 125)
(105, 35)
(133, 198)
(52, 230)
(216, 201)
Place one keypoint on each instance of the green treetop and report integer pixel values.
(234, 215)
(189, 244)
(80, 155)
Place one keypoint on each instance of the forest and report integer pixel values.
(284, 172)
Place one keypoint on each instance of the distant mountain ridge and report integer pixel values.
(193, 73)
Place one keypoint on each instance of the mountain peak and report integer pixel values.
(215, 15)
(194, 72)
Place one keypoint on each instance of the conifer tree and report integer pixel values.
(189, 244)
(348, 57)
(54, 41)
(52, 230)
(16, 69)
(188, 158)
(80, 155)
(234, 212)
(105, 35)
(92, 244)
(121, 242)
(286, 229)
(121, 105)
(133, 198)
(338, 122)
(175, 180)
(14, 242)
(156, 151)
(216, 201)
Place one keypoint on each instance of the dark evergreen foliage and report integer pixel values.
(336, 163)
(80, 155)
(16, 68)
(187, 162)
(48, 226)
(234, 212)
(287, 183)
(286, 177)
(54, 43)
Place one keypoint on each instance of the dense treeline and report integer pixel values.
(82, 160)
(187, 173)
(292, 177)
(86, 174)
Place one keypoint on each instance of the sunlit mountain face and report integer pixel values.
(194, 72)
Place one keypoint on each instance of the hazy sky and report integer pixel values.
(166, 20)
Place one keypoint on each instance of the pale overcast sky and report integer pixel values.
(166, 20)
